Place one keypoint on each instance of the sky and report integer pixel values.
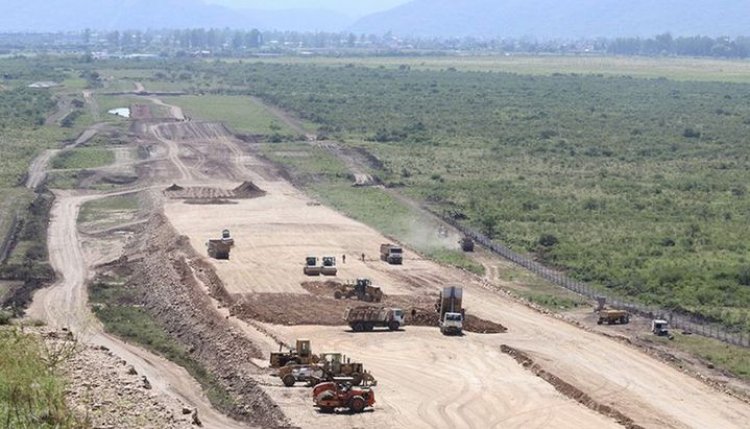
(353, 8)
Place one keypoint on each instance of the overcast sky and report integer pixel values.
(354, 8)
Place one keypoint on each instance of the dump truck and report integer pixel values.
(362, 289)
(612, 316)
(367, 318)
(301, 354)
(328, 267)
(336, 394)
(219, 248)
(467, 244)
(391, 253)
(451, 320)
(311, 266)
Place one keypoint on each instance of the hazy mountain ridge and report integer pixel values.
(561, 18)
(64, 15)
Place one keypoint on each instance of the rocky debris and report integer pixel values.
(160, 267)
(568, 389)
(107, 392)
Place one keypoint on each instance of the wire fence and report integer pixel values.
(689, 323)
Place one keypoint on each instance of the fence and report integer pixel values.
(684, 322)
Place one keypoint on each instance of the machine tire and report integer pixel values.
(289, 380)
(357, 379)
(599, 322)
(369, 327)
(337, 294)
(327, 410)
(357, 404)
(393, 325)
(359, 327)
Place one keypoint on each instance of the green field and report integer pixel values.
(101, 209)
(85, 157)
(685, 69)
(243, 114)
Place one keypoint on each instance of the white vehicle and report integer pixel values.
(451, 312)
(452, 324)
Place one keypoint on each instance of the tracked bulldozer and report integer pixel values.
(362, 290)
(219, 248)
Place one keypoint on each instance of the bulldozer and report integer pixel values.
(362, 289)
(311, 266)
(329, 266)
(301, 354)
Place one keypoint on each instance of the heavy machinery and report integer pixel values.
(467, 244)
(219, 248)
(367, 318)
(328, 267)
(328, 366)
(611, 316)
(451, 319)
(311, 266)
(362, 289)
(334, 394)
(302, 354)
(660, 327)
(391, 253)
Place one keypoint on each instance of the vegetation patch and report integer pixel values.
(101, 209)
(119, 310)
(84, 157)
(725, 356)
(243, 114)
(32, 392)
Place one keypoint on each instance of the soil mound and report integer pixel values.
(174, 188)
(248, 190)
(321, 308)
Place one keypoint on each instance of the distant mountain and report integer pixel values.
(561, 18)
(64, 15)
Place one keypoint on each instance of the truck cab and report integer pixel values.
(452, 324)
(660, 327)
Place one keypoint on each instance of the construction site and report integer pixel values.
(310, 319)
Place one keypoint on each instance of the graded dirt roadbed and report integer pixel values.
(427, 380)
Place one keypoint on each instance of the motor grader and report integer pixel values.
(328, 366)
(301, 354)
(362, 289)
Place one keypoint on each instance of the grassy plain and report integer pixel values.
(682, 68)
(243, 114)
(84, 157)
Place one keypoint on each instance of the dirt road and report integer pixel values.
(429, 380)
(64, 305)
(38, 168)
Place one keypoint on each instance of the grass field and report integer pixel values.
(684, 69)
(84, 157)
(243, 114)
(98, 210)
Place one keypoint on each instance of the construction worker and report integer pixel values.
(363, 257)
(343, 259)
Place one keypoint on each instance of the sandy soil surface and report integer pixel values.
(275, 232)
